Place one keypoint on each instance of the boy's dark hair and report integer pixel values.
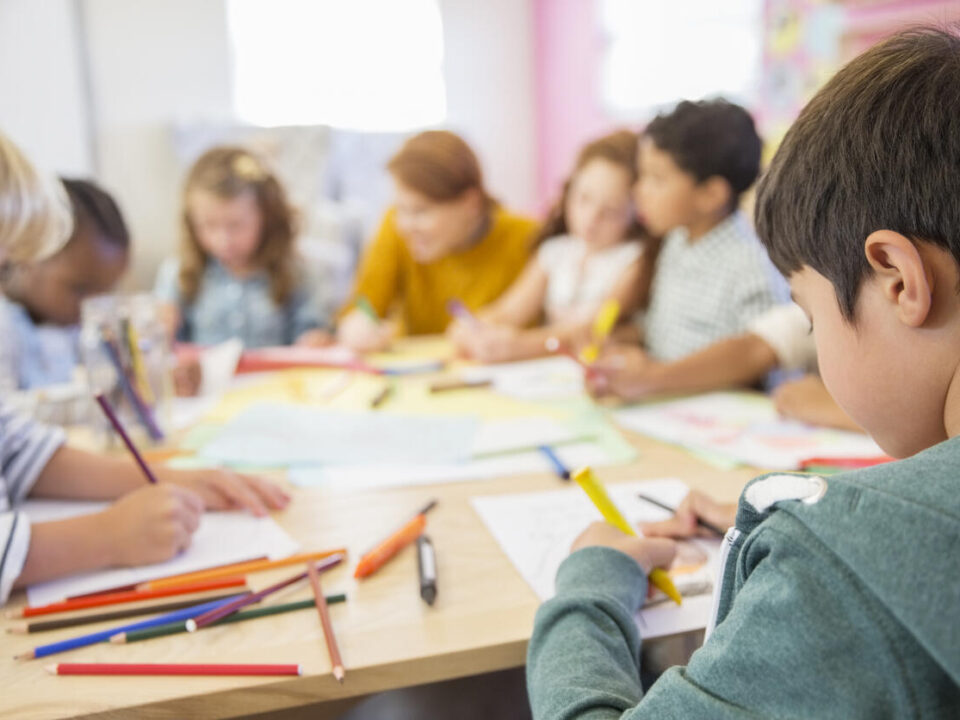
(92, 205)
(877, 148)
(711, 138)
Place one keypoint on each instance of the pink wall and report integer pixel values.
(568, 46)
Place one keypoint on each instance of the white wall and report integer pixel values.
(152, 63)
(42, 98)
(155, 62)
(489, 71)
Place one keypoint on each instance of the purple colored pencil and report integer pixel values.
(115, 421)
(139, 406)
(201, 621)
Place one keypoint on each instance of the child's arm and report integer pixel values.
(630, 374)
(522, 303)
(777, 652)
(149, 525)
(809, 401)
(80, 475)
(377, 280)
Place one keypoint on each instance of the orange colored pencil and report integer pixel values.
(376, 558)
(126, 597)
(239, 569)
(332, 649)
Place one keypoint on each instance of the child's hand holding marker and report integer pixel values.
(363, 330)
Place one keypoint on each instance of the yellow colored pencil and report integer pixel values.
(602, 326)
(611, 513)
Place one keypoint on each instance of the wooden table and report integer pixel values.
(388, 636)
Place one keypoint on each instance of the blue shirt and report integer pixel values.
(227, 306)
(34, 356)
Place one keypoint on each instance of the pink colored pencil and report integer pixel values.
(171, 669)
(206, 618)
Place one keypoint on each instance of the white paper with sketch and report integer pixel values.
(221, 539)
(744, 427)
(536, 530)
(351, 477)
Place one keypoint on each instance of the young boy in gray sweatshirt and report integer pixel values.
(838, 597)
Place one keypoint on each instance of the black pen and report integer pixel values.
(427, 568)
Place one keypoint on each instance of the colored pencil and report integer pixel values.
(136, 360)
(558, 467)
(176, 628)
(456, 384)
(239, 569)
(364, 306)
(127, 597)
(45, 625)
(328, 635)
(143, 412)
(458, 310)
(201, 621)
(104, 635)
(598, 495)
(422, 511)
(700, 521)
(381, 554)
(381, 397)
(115, 421)
(602, 326)
(428, 366)
(171, 669)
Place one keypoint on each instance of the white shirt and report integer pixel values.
(578, 282)
(709, 289)
(786, 329)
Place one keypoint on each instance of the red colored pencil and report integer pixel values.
(115, 421)
(171, 669)
(210, 616)
(125, 597)
(321, 601)
(378, 557)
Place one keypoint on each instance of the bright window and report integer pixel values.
(661, 52)
(373, 65)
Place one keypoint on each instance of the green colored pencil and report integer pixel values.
(181, 627)
(367, 309)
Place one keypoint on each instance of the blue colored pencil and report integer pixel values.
(562, 470)
(105, 635)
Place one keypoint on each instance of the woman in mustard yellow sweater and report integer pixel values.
(445, 239)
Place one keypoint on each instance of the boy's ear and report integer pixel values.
(713, 195)
(902, 274)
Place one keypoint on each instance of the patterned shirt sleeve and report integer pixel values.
(25, 449)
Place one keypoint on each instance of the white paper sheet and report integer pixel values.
(536, 530)
(277, 435)
(744, 427)
(552, 378)
(221, 539)
(525, 433)
(351, 477)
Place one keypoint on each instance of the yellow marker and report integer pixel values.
(598, 495)
(602, 326)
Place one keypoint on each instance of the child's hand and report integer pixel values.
(625, 371)
(315, 338)
(648, 552)
(695, 506)
(809, 401)
(484, 342)
(359, 332)
(187, 376)
(225, 490)
(151, 524)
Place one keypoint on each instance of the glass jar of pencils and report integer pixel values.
(128, 359)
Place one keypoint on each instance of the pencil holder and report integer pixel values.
(128, 359)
